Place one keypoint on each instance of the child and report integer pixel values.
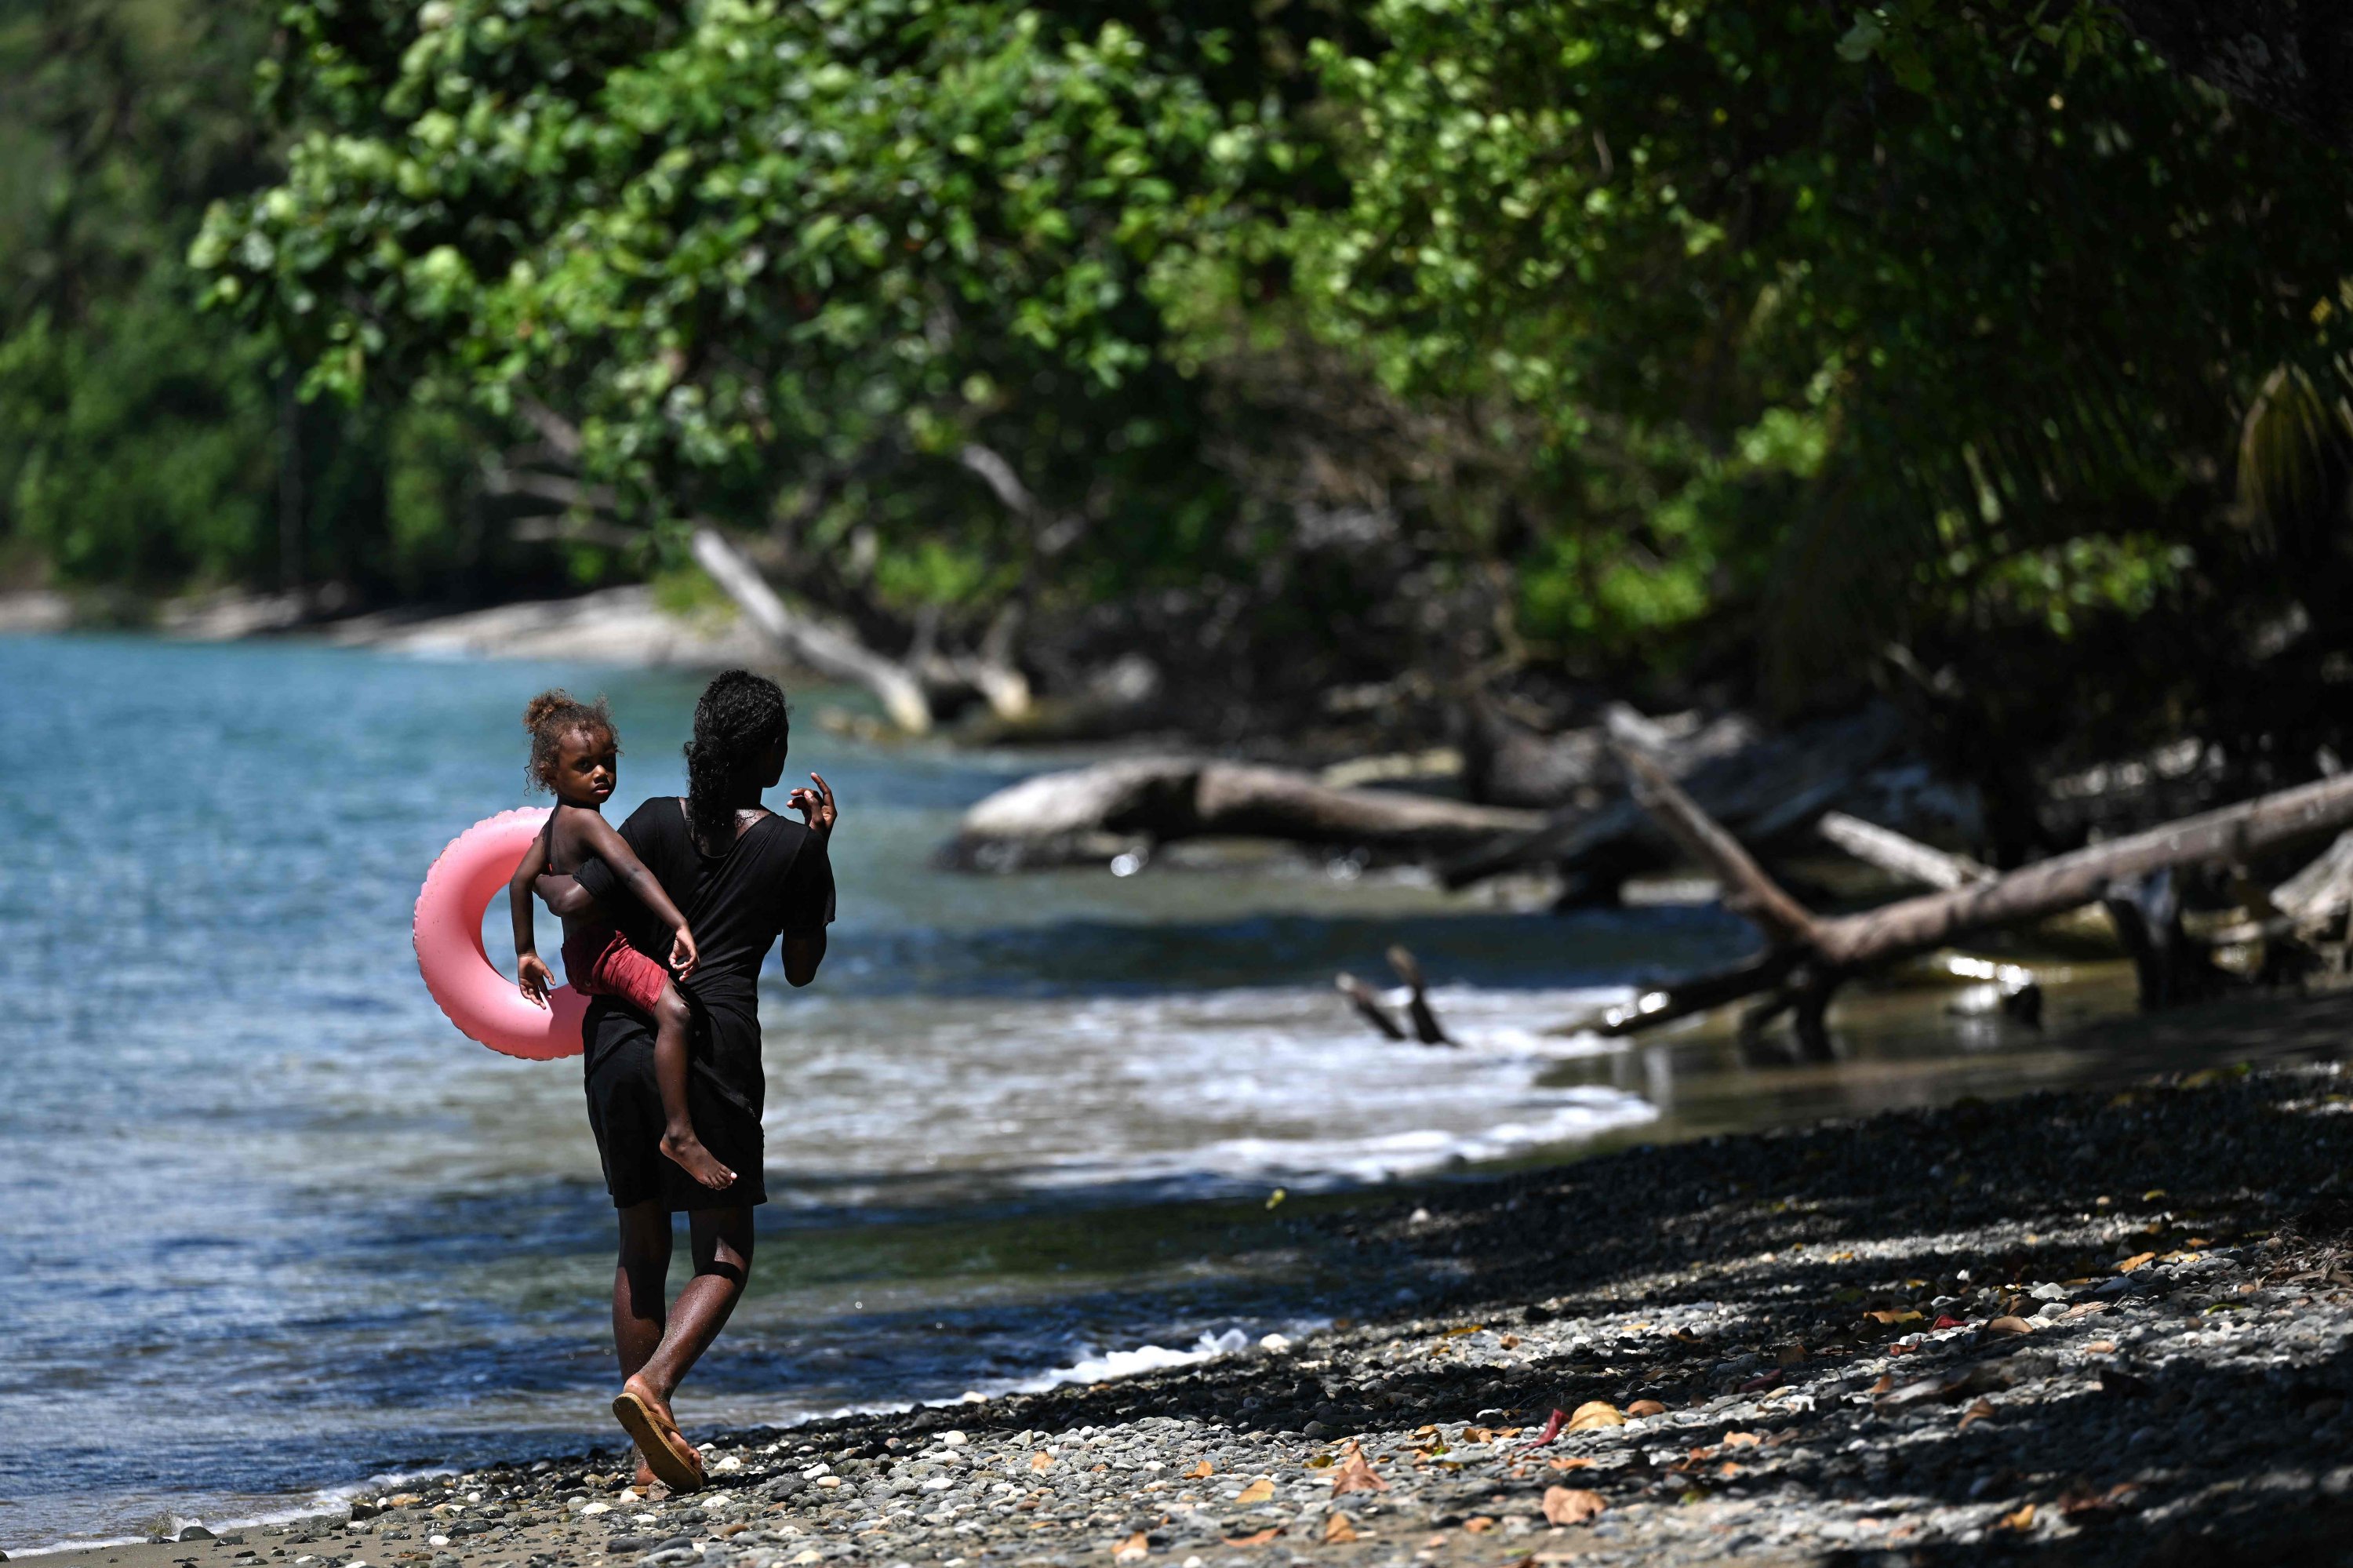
(573, 752)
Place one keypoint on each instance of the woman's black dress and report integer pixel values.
(775, 880)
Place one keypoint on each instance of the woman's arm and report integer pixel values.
(803, 949)
(532, 975)
(803, 952)
(621, 859)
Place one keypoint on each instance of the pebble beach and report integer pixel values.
(2110, 1325)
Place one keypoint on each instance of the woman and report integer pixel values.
(743, 876)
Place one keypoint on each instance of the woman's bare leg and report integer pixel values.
(721, 1243)
(640, 1283)
(640, 1280)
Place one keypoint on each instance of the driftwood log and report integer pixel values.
(1807, 956)
(1091, 814)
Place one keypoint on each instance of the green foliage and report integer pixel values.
(137, 446)
(144, 443)
(1626, 335)
(1778, 305)
(134, 434)
(772, 261)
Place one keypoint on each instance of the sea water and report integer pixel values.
(269, 1226)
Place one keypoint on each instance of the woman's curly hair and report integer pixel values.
(738, 718)
(550, 716)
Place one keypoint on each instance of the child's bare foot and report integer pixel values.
(687, 1151)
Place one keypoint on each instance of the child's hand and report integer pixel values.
(815, 806)
(682, 958)
(533, 979)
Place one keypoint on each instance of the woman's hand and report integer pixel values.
(533, 977)
(682, 958)
(815, 806)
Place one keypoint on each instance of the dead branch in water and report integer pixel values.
(1807, 956)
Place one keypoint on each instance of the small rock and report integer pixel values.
(194, 1532)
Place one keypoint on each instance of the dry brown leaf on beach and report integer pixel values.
(2023, 1518)
(1740, 1440)
(1479, 1524)
(1357, 1475)
(1593, 1415)
(1135, 1549)
(1041, 1460)
(2084, 1505)
(1981, 1411)
(1570, 1463)
(1569, 1505)
(1646, 1407)
(1200, 1472)
(2008, 1325)
(1260, 1538)
(2139, 1260)
(1338, 1530)
(1258, 1491)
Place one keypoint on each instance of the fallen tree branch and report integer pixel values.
(820, 647)
(1369, 1006)
(1087, 813)
(1747, 891)
(2240, 832)
(2321, 891)
(1897, 856)
(1807, 956)
(1426, 1027)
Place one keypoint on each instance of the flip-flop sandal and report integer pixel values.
(671, 1457)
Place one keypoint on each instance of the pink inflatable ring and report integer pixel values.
(483, 1003)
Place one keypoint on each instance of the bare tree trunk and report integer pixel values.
(1806, 957)
(820, 647)
(1747, 891)
(2240, 833)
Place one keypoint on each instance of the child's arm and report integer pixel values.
(630, 872)
(531, 976)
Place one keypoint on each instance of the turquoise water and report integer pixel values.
(270, 1225)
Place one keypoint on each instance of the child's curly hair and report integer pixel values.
(550, 716)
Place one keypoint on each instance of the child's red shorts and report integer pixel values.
(602, 963)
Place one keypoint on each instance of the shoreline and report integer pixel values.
(609, 626)
(2089, 1325)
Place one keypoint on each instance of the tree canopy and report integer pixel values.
(1786, 348)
